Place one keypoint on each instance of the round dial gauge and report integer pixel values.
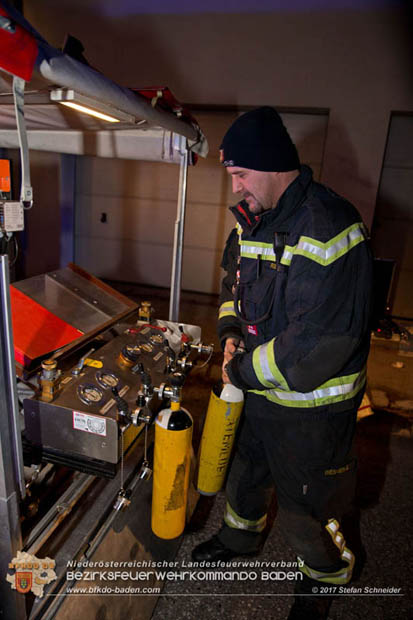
(89, 394)
(157, 339)
(106, 379)
(131, 351)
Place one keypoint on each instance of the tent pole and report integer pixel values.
(8, 376)
(11, 463)
(176, 277)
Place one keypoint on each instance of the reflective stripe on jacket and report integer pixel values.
(304, 321)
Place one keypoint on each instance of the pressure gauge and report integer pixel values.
(156, 339)
(128, 356)
(89, 394)
(147, 347)
(106, 379)
(131, 351)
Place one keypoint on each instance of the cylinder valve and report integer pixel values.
(49, 380)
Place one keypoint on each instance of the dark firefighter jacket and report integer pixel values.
(300, 300)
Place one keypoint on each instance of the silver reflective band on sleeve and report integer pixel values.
(226, 309)
(265, 366)
(262, 250)
(287, 255)
(328, 252)
(335, 390)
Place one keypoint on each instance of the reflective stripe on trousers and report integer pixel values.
(235, 521)
(341, 576)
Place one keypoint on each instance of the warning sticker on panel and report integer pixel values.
(89, 423)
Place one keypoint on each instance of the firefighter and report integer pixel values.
(296, 295)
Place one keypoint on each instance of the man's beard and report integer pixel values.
(255, 207)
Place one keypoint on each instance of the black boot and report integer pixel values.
(307, 604)
(212, 550)
(228, 543)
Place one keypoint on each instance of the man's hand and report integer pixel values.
(231, 346)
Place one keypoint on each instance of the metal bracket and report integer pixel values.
(26, 191)
(7, 24)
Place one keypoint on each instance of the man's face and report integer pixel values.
(259, 189)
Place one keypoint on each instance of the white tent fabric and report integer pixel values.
(154, 140)
(51, 127)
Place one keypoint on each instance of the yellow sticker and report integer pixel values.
(93, 363)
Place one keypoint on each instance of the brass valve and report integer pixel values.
(49, 380)
(128, 356)
(145, 311)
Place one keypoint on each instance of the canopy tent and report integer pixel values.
(52, 127)
(153, 109)
(157, 127)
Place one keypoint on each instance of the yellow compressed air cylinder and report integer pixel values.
(218, 436)
(171, 466)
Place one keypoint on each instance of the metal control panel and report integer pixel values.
(81, 425)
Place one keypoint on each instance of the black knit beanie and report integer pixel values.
(258, 140)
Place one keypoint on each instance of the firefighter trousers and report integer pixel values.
(308, 458)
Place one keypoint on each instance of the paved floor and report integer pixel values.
(384, 590)
(386, 504)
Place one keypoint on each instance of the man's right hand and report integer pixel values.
(231, 346)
